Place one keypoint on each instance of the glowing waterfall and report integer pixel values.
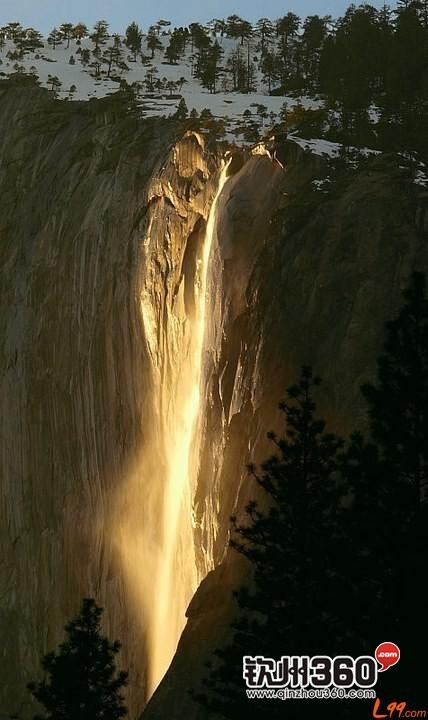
(175, 574)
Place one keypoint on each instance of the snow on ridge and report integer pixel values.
(326, 148)
(227, 105)
(77, 83)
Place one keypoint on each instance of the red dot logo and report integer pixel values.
(387, 654)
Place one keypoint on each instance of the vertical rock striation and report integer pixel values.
(96, 212)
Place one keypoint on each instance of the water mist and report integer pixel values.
(155, 533)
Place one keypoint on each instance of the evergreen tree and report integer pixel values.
(172, 52)
(29, 41)
(180, 82)
(176, 47)
(55, 83)
(294, 542)
(398, 401)
(287, 29)
(236, 67)
(134, 38)
(171, 86)
(150, 78)
(236, 27)
(13, 30)
(218, 26)
(153, 42)
(100, 34)
(54, 38)
(85, 56)
(208, 67)
(82, 682)
(199, 37)
(269, 69)
(313, 38)
(288, 26)
(388, 474)
(182, 110)
(113, 55)
(66, 30)
(265, 30)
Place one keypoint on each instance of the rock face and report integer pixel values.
(306, 278)
(102, 219)
(79, 187)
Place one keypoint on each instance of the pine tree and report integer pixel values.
(55, 38)
(180, 82)
(13, 30)
(82, 682)
(171, 86)
(287, 29)
(66, 30)
(388, 476)
(199, 37)
(313, 38)
(153, 42)
(29, 41)
(113, 55)
(239, 28)
(149, 80)
(398, 401)
(208, 68)
(265, 30)
(85, 56)
(133, 38)
(294, 542)
(175, 48)
(100, 33)
(171, 53)
(217, 26)
(269, 68)
(237, 68)
(54, 82)
(182, 112)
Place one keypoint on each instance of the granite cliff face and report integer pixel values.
(80, 188)
(102, 228)
(306, 278)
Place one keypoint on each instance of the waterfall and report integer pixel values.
(154, 531)
(176, 577)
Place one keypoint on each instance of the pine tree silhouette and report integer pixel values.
(398, 401)
(294, 603)
(389, 475)
(82, 682)
(339, 550)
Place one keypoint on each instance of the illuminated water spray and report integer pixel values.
(175, 577)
